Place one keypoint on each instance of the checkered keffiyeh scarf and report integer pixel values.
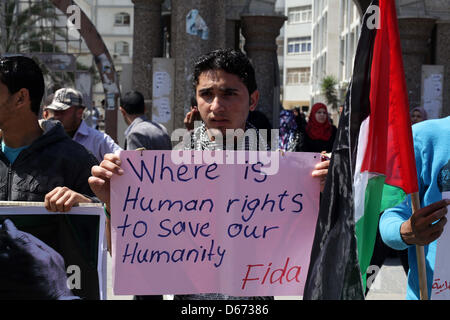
(201, 141)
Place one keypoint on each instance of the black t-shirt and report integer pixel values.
(310, 145)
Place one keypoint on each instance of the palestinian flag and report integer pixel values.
(373, 147)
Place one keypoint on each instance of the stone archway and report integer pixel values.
(103, 62)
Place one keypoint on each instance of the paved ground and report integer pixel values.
(389, 284)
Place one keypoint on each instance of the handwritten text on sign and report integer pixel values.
(204, 228)
(440, 289)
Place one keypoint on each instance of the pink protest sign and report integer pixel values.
(224, 223)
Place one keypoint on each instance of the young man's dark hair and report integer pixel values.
(19, 72)
(133, 103)
(230, 61)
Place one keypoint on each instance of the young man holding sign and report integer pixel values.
(225, 87)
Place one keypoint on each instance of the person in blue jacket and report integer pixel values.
(399, 228)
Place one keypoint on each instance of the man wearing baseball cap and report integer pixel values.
(67, 107)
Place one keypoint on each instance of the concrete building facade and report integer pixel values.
(336, 27)
(297, 49)
(349, 31)
(319, 39)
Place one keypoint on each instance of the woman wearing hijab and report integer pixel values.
(317, 136)
(320, 133)
(418, 114)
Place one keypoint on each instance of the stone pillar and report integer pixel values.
(260, 33)
(186, 45)
(415, 38)
(147, 44)
(232, 34)
(442, 57)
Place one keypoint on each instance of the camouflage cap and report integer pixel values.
(65, 98)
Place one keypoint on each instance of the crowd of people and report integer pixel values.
(61, 161)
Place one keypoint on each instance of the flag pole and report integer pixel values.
(415, 200)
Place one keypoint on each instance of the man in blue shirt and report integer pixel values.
(399, 228)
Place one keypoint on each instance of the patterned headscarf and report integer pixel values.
(288, 126)
(201, 141)
(316, 130)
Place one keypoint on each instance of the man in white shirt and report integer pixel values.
(67, 107)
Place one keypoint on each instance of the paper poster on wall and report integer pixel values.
(46, 255)
(162, 84)
(161, 110)
(237, 223)
(432, 90)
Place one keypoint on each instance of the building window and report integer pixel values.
(299, 15)
(122, 48)
(299, 45)
(122, 19)
(298, 76)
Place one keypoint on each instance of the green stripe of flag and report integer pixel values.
(392, 196)
(366, 226)
(378, 197)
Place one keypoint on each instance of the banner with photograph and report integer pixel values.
(231, 222)
(45, 255)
